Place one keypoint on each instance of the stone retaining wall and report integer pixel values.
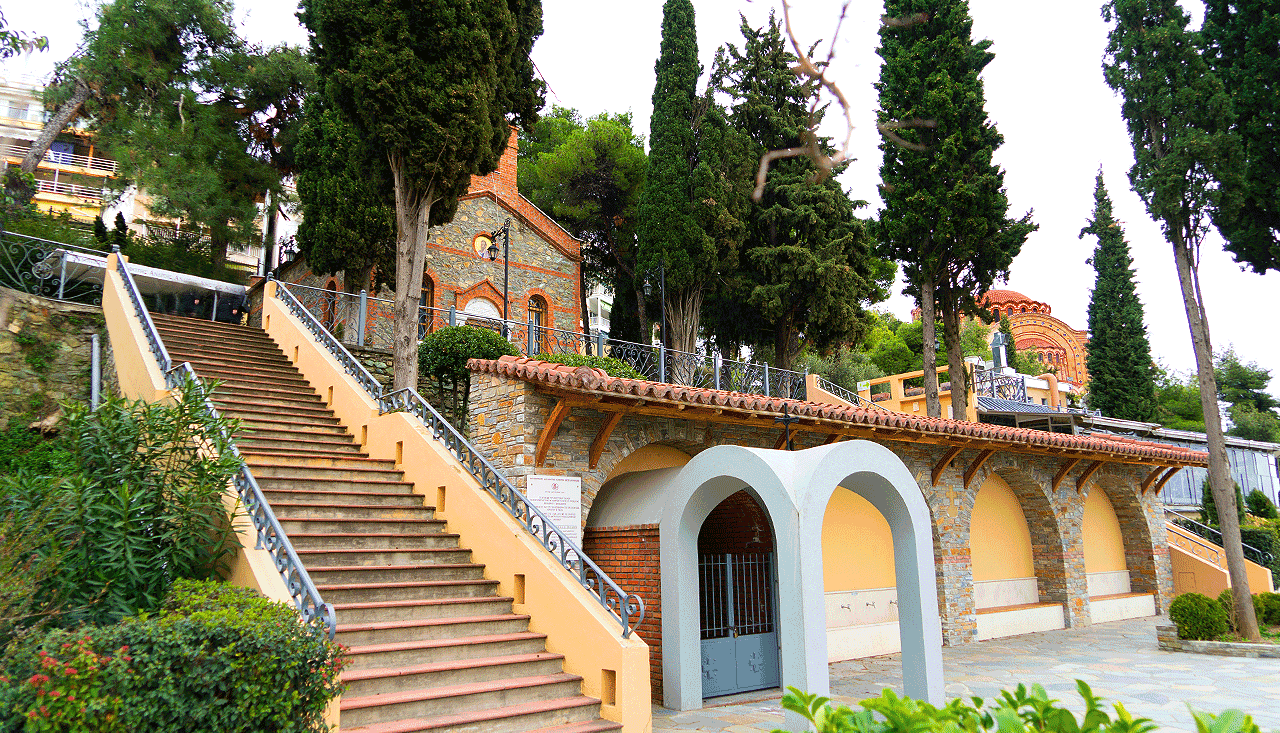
(1167, 638)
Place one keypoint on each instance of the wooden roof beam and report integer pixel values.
(976, 465)
(558, 414)
(1165, 478)
(942, 465)
(1151, 477)
(602, 437)
(1066, 469)
(1088, 473)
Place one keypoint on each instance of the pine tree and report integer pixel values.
(945, 215)
(805, 269)
(669, 232)
(1121, 383)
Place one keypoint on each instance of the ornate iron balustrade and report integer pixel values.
(571, 557)
(1261, 557)
(989, 383)
(270, 535)
(607, 593)
(847, 395)
(40, 267)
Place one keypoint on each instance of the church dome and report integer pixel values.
(1011, 302)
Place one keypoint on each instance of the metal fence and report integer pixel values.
(990, 383)
(50, 269)
(1212, 534)
(847, 395)
(357, 319)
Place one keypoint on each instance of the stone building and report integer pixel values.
(687, 500)
(544, 278)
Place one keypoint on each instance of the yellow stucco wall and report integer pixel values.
(857, 545)
(650, 457)
(1103, 543)
(999, 538)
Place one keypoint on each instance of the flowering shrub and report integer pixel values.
(68, 693)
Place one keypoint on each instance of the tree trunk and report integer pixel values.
(1220, 483)
(683, 310)
(59, 120)
(413, 212)
(217, 247)
(269, 238)
(646, 328)
(932, 405)
(955, 363)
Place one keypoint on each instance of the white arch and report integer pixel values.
(794, 488)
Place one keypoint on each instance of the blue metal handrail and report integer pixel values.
(607, 593)
(847, 395)
(270, 535)
(1261, 557)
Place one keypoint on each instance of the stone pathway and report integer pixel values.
(1119, 660)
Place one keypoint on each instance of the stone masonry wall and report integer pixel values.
(508, 415)
(632, 557)
(45, 356)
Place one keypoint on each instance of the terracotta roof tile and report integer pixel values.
(595, 381)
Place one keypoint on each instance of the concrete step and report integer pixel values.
(339, 525)
(340, 469)
(384, 632)
(599, 725)
(511, 719)
(364, 682)
(203, 344)
(274, 398)
(408, 591)
(204, 325)
(278, 419)
(369, 541)
(257, 368)
(272, 407)
(328, 462)
(370, 574)
(467, 697)
(383, 558)
(313, 483)
(254, 391)
(238, 376)
(270, 454)
(302, 438)
(440, 650)
(418, 610)
(401, 499)
(347, 512)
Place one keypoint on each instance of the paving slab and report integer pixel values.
(1119, 660)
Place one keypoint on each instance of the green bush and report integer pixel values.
(1209, 506)
(139, 506)
(24, 450)
(1260, 505)
(1266, 540)
(442, 365)
(611, 366)
(1198, 617)
(217, 658)
(1267, 606)
(1229, 607)
(1019, 711)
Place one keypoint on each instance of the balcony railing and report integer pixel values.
(69, 189)
(95, 164)
(990, 383)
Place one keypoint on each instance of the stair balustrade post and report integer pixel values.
(599, 343)
(766, 379)
(719, 365)
(662, 362)
(453, 315)
(62, 278)
(361, 316)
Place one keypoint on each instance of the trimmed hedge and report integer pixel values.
(611, 366)
(1198, 617)
(215, 658)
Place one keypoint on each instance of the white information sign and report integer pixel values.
(559, 498)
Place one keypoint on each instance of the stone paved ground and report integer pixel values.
(1119, 660)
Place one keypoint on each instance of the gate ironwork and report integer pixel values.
(739, 630)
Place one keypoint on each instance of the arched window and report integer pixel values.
(1024, 309)
(329, 304)
(537, 325)
(426, 306)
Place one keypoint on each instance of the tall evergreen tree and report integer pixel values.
(805, 268)
(1243, 43)
(669, 231)
(1186, 169)
(1121, 380)
(432, 87)
(945, 215)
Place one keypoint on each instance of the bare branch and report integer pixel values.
(905, 21)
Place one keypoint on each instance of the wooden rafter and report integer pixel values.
(1066, 469)
(782, 439)
(1165, 478)
(1151, 477)
(1088, 473)
(973, 468)
(602, 437)
(832, 438)
(846, 430)
(557, 416)
(947, 458)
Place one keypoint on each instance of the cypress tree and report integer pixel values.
(1121, 383)
(945, 214)
(669, 233)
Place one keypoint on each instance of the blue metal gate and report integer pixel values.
(739, 634)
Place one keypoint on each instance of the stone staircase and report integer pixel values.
(431, 646)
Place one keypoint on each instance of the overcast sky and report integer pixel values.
(1044, 92)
